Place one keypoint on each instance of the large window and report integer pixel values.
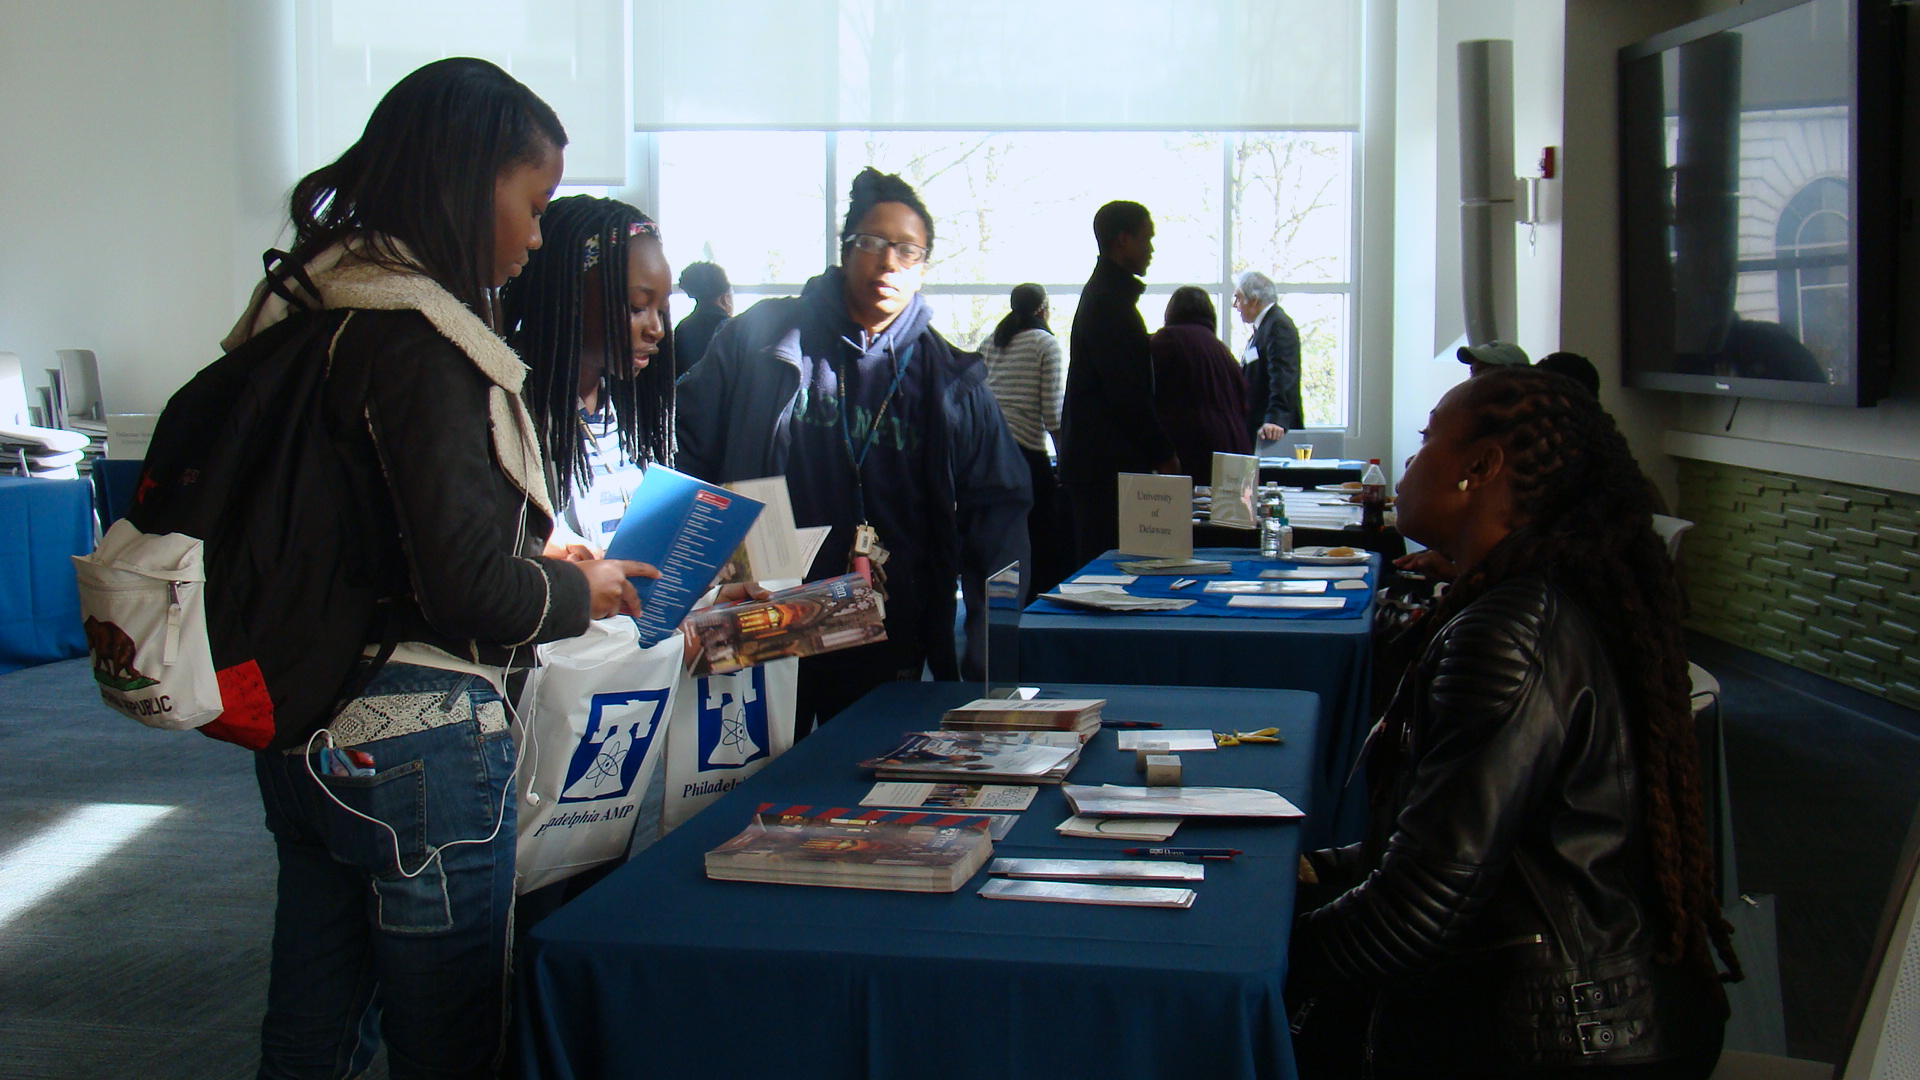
(1012, 207)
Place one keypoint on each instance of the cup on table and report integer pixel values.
(1302, 451)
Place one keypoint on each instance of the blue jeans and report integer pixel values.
(361, 951)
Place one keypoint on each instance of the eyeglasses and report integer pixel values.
(910, 254)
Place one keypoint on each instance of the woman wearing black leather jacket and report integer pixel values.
(1534, 896)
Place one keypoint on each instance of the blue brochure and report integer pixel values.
(685, 528)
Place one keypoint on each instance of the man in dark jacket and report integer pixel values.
(1108, 425)
(876, 422)
(1273, 369)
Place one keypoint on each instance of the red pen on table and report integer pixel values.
(1131, 725)
(1183, 852)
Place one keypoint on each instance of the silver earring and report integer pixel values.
(1462, 485)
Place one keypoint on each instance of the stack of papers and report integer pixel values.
(979, 757)
(1176, 740)
(1316, 573)
(1114, 800)
(1175, 566)
(967, 797)
(1266, 588)
(1094, 828)
(1097, 869)
(1115, 600)
(1071, 892)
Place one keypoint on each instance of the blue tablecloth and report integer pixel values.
(1330, 656)
(657, 971)
(1245, 568)
(114, 481)
(43, 523)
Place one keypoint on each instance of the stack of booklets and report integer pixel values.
(851, 848)
(1078, 715)
(1175, 566)
(981, 757)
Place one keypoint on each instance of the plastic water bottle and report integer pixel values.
(1373, 496)
(1276, 533)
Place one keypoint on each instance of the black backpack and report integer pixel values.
(243, 461)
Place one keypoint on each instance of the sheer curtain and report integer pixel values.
(573, 53)
(997, 64)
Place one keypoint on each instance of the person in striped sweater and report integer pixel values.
(1026, 370)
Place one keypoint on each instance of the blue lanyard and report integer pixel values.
(859, 460)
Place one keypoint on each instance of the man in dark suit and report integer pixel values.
(1272, 360)
(1108, 425)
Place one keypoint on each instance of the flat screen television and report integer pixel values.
(1759, 202)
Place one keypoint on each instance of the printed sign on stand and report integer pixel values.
(1235, 478)
(1156, 515)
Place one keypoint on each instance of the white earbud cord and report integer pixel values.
(506, 796)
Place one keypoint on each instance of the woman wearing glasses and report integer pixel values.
(883, 430)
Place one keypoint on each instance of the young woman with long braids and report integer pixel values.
(1535, 895)
(396, 885)
(588, 314)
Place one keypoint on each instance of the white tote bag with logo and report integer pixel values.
(725, 728)
(592, 715)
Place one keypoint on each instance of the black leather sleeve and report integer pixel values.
(1484, 752)
(427, 407)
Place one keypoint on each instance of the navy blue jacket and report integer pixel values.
(1109, 425)
(735, 414)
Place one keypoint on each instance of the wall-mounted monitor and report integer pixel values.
(1759, 155)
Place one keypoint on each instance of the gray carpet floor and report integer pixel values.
(151, 964)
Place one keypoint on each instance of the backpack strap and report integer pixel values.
(367, 667)
(279, 267)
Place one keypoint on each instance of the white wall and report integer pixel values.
(141, 178)
(1566, 281)
(1428, 317)
(1372, 433)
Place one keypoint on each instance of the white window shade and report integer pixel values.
(997, 64)
(573, 53)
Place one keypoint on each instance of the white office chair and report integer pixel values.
(1886, 1028)
(1886, 1041)
(1671, 529)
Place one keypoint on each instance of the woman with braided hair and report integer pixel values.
(588, 315)
(1534, 896)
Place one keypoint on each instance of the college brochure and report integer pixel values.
(818, 617)
(685, 528)
(979, 756)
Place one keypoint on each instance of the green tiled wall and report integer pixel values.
(1819, 575)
